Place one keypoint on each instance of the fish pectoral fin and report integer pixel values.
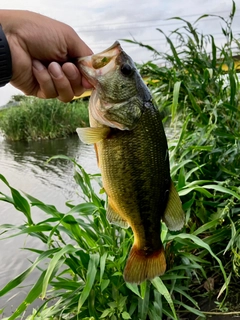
(174, 216)
(92, 135)
(114, 218)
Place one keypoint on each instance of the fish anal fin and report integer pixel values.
(140, 267)
(114, 218)
(92, 135)
(174, 216)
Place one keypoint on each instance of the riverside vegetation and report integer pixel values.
(85, 255)
(32, 118)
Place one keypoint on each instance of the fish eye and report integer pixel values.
(126, 69)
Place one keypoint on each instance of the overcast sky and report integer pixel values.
(100, 22)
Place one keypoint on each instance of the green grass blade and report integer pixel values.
(20, 203)
(143, 288)
(192, 310)
(200, 189)
(19, 279)
(33, 294)
(173, 49)
(102, 265)
(176, 90)
(196, 107)
(222, 189)
(91, 275)
(56, 257)
(134, 288)
(206, 226)
(143, 303)
(162, 289)
(199, 242)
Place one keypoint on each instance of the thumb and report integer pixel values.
(76, 46)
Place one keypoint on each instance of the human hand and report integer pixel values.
(42, 50)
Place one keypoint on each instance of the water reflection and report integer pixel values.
(21, 161)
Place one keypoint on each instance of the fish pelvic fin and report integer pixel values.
(93, 135)
(174, 216)
(114, 218)
(142, 267)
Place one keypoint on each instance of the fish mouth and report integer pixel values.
(99, 64)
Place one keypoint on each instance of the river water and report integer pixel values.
(24, 166)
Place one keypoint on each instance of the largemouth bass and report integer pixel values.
(132, 155)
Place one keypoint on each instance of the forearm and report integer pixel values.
(10, 22)
(5, 17)
(5, 59)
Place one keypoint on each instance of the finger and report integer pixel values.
(74, 77)
(46, 86)
(61, 82)
(86, 84)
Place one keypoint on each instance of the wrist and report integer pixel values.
(5, 60)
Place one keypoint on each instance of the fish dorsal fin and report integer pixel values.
(93, 135)
(174, 216)
(114, 218)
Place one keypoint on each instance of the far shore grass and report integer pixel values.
(29, 118)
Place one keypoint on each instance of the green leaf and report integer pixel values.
(225, 286)
(56, 257)
(20, 203)
(126, 315)
(161, 288)
(33, 294)
(105, 313)
(19, 279)
(206, 226)
(91, 275)
(202, 244)
(174, 51)
(134, 288)
(143, 287)
(102, 265)
(49, 209)
(104, 284)
(183, 292)
(176, 90)
(181, 179)
(143, 304)
(192, 310)
(202, 190)
(196, 107)
(222, 189)
(84, 208)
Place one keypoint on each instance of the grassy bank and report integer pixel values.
(87, 255)
(33, 119)
(2, 113)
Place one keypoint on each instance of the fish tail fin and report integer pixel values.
(140, 266)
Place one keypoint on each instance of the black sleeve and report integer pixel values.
(5, 60)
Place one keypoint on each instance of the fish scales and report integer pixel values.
(142, 176)
(132, 154)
